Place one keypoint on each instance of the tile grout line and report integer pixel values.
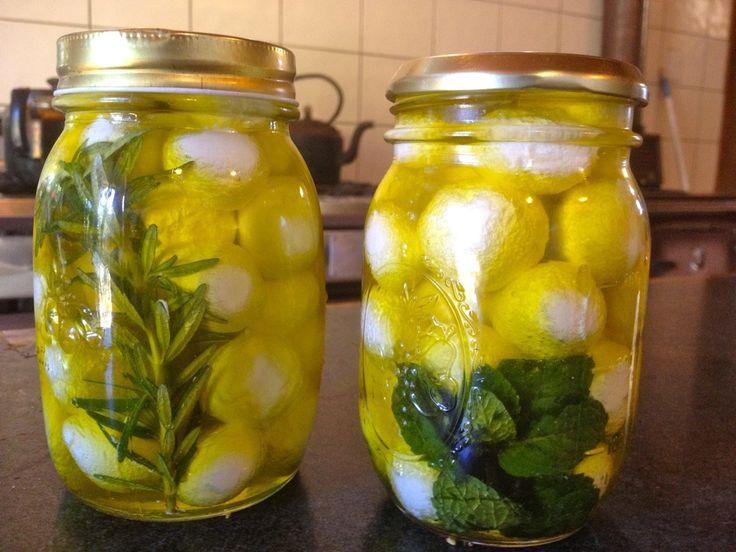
(433, 29)
(361, 66)
(281, 22)
(190, 15)
(89, 14)
(47, 23)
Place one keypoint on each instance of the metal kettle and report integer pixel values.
(321, 144)
(30, 129)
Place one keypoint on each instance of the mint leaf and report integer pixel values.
(556, 443)
(486, 418)
(547, 386)
(464, 502)
(418, 419)
(560, 504)
(492, 380)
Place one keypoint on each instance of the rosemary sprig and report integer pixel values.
(156, 324)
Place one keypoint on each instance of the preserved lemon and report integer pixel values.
(180, 324)
(506, 263)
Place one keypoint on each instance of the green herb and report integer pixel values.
(464, 502)
(528, 422)
(491, 401)
(547, 386)
(560, 504)
(412, 407)
(153, 322)
(556, 443)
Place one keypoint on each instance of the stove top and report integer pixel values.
(345, 206)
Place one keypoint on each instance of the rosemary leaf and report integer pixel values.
(186, 445)
(163, 406)
(188, 268)
(130, 424)
(97, 405)
(168, 263)
(130, 455)
(118, 425)
(131, 485)
(128, 156)
(190, 397)
(121, 301)
(161, 323)
(188, 328)
(191, 369)
(168, 443)
(82, 191)
(148, 249)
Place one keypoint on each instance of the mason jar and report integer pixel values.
(179, 277)
(506, 267)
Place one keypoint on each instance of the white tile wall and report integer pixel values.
(257, 19)
(529, 29)
(172, 14)
(361, 43)
(688, 43)
(478, 20)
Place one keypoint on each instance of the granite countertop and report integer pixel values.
(676, 490)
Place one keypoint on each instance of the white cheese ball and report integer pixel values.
(94, 454)
(226, 459)
(253, 377)
(234, 285)
(282, 227)
(391, 248)
(223, 165)
(380, 323)
(412, 482)
(611, 381)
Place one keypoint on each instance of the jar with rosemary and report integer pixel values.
(179, 283)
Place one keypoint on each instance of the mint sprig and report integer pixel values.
(526, 424)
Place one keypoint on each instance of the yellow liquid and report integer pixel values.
(220, 185)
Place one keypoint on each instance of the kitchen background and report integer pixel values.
(361, 42)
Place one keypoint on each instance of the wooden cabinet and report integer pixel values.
(692, 236)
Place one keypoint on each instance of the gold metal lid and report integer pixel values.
(173, 60)
(459, 73)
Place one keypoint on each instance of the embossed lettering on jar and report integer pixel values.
(179, 275)
(506, 265)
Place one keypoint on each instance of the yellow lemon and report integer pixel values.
(377, 419)
(391, 248)
(94, 454)
(285, 437)
(611, 381)
(282, 153)
(493, 348)
(380, 322)
(182, 221)
(483, 233)
(553, 309)
(289, 302)
(150, 158)
(253, 377)
(224, 167)
(600, 223)
(226, 459)
(281, 226)
(599, 467)
(309, 342)
(54, 415)
(234, 286)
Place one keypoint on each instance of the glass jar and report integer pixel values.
(506, 267)
(179, 276)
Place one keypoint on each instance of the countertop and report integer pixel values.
(677, 489)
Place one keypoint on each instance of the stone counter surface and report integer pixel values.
(677, 490)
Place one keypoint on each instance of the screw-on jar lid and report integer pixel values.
(472, 73)
(126, 59)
